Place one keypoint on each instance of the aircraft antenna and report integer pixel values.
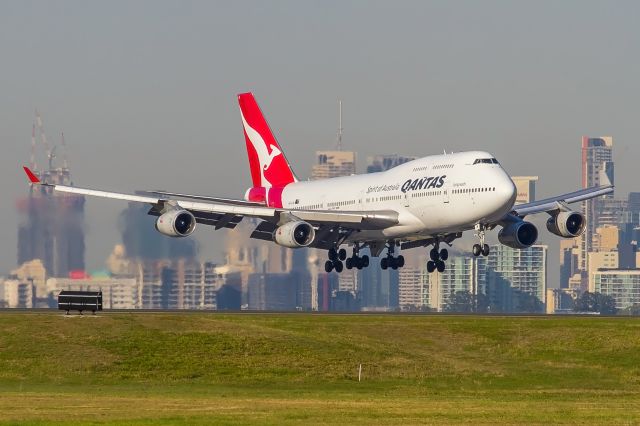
(339, 137)
(43, 138)
(32, 160)
(65, 163)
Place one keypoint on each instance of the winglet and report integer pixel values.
(32, 176)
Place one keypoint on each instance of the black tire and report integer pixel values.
(444, 254)
(431, 266)
(333, 254)
(359, 263)
(349, 263)
(485, 250)
(384, 263)
(338, 265)
(342, 254)
(433, 254)
(440, 266)
(365, 261)
(400, 261)
(477, 250)
(328, 266)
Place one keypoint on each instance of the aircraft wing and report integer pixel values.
(222, 213)
(557, 203)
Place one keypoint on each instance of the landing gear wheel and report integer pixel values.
(400, 261)
(440, 266)
(342, 254)
(431, 266)
(477, 250)
(328, 266)
(384, 263)
(433, 254)
(338, 265)
(349, 262)
(333, 254)
(365, 261)
(393, 263)
(359, 263)
(485, 250)
(444, 254)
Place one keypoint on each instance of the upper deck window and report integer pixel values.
(486, 161)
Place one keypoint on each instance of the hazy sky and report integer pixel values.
(145, 91)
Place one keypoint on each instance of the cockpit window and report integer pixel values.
(486, 161)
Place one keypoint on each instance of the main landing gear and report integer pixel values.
(390, 261)
(337, 256)
(437, 258)
(335, 260)
(357, 261)
(482, 248)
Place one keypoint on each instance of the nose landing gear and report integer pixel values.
(482, 248)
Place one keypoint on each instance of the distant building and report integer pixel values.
(381, 163)
(559, 300)
(601, 260)
(117, 293)
(524, 270)
(272, 292)
(622, 285)
(378, 288)
(463, 274)
(18, 293)
(52, 227)
(569, 260)
(597, 169)
(35, 273)
(330, 164)
(411, 282)
(525, 188)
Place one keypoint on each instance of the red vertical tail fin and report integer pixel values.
(269, 167)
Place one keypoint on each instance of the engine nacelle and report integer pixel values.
(176, 223)
(518, 235)
(294, 234)
(567, 224)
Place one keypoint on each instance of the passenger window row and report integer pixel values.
(426, 194)
(341, 203)
(443, 166)
(470, 190)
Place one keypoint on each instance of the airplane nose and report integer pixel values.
(508, 191)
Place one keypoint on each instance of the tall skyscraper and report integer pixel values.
(597, 169)
(52, 224)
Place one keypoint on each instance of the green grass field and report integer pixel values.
(303, 369)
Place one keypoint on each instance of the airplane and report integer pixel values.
(426, 202)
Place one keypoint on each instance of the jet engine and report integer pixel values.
(518, 235)
(176, 223)
(294, 234)
(567, 224)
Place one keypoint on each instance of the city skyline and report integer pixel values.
(528, 99)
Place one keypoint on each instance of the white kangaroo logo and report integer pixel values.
(264, 156)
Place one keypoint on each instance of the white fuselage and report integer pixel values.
(432, 195)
